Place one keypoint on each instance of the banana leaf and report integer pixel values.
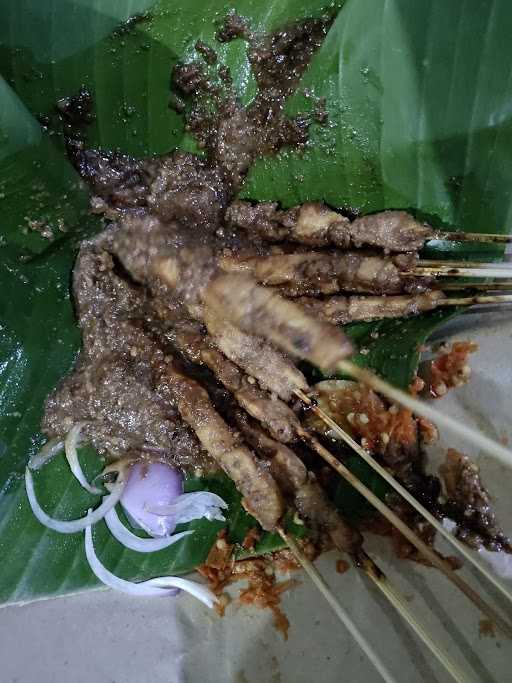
(417, 96)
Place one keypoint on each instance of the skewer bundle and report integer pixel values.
(247, 318)
(344, 284)
(303, 277)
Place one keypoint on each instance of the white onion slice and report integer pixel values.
(70, 444)
(133, 542)
(74, 525)
(47, 452)
(198, 590)
(190, 506)
(162, 586)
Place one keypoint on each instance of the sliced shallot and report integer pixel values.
(154, 483)
(133, 542)
(70, 444)
(162, 586)
(72, 526)
(47, 452)
(190, 506)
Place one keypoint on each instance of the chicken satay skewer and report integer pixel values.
(317, 273)
(318, 225)
(237, 300)
(333, 601)
(261, 495)
(304, 435)
(430, 554)
(290, 472)
(401, 490)
(341, 310)
(320, 507)
(266, 304)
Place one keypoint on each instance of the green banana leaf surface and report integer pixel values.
(419, 117)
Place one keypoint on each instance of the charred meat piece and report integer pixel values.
(313, 224)
(263, 219)
(287, 468)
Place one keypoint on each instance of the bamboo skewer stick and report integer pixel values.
(474, 300)
(401, 490)
(447, 271)
(335, 604)
(483, 286)
(410, 535)
(434, 263)
(471, 237)
(377, 576)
